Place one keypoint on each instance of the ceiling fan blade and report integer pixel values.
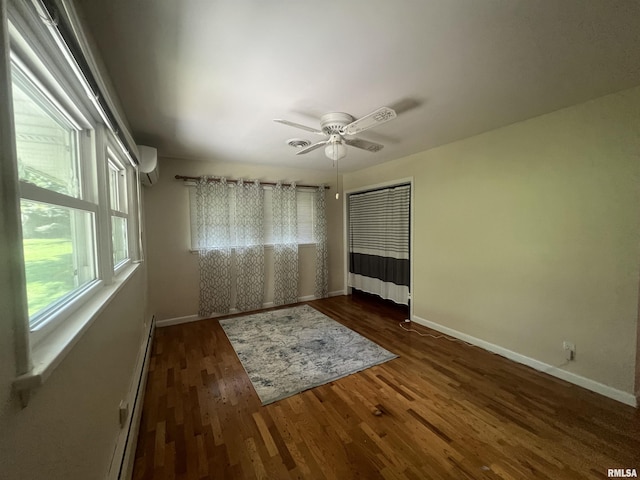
(297, 125)
(375, 118)
(312, 147)
(364, 144)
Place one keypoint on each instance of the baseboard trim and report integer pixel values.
(594, 386)
(178, 320)
(337, 293)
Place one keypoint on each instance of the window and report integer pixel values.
(118, 197)
(305, 205)
(66, 219)
(306, 213)
(58, 214)
(305, 217)
(76, 193)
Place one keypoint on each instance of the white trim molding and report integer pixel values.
(594, 386)
(167, 322)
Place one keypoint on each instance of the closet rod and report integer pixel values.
(195, 179)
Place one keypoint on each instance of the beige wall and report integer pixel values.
(173, 269)
(637, 392)
(529, 235)
(70, 427)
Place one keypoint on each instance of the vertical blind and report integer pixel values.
(379, 242)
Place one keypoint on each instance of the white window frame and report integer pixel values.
(38, 48)
(56, 312)
(123, 202)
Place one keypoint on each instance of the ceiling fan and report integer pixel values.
(338, 127)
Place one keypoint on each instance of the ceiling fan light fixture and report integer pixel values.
(337, 125)
(335, 151)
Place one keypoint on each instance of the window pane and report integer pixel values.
(45, 143)
(119, 239)
(305, 216)
(305, 212)
(117, 187)
(114, 196)
(59, 254)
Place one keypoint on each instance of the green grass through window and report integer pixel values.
(49, 270)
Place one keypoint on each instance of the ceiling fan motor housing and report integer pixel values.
(340, 127)
(333, 123)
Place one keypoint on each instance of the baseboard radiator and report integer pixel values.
(123, 469)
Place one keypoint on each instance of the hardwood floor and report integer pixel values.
(443, 410)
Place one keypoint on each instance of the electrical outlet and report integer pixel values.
(569, 350)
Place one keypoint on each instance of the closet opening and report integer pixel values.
(379, 244)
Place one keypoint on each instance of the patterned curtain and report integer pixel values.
(250, 246)
(320, 239)
(214, 240)
(285, 248)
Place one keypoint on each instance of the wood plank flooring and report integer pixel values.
(443, 410)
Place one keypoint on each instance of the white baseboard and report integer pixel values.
(121, 467)
(308, 298)
(594, 386)
(178, 320)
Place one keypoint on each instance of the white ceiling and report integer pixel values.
(204, 79)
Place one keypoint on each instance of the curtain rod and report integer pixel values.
(60, 22)
(195, 179)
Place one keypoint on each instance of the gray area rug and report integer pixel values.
(287, 351)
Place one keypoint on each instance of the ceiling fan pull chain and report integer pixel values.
(335, 164)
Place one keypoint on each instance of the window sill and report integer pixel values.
(51, 350)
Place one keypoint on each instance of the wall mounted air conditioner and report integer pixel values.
(148, 165)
